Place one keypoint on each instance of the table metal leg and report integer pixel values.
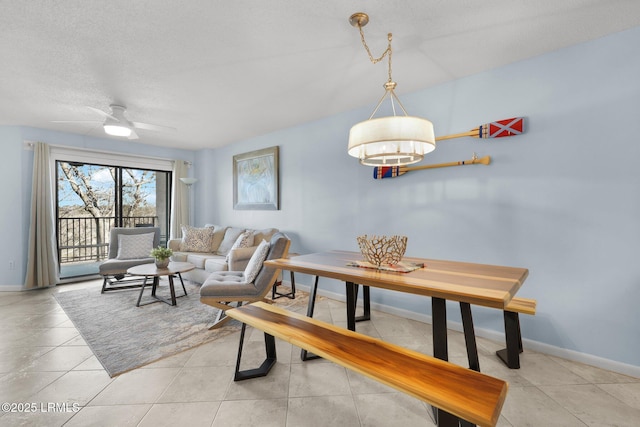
(144, 283)
(172, 290)
(469, 336)
(351, 291)
(366, 303)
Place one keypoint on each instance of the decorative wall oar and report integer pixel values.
(499, 129)
(380, 172)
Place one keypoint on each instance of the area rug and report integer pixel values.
(124, 337)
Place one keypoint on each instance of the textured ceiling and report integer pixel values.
(222, 71)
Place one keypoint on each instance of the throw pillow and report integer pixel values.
(230, 236)
(255, 263)
(196, 239)
(135, 246)
(244, 240)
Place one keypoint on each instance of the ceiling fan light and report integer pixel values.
(117, 130)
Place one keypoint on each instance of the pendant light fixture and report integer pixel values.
(392, 140)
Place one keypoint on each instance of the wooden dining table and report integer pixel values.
(463, 282)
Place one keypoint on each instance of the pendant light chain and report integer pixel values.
(388, 51)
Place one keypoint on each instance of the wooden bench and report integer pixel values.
(459, 392)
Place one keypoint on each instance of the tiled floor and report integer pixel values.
(44, 360)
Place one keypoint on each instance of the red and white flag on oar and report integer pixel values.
(499, 129)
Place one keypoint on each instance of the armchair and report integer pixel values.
(222, 289)
(128, 247)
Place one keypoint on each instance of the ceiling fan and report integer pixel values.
(116, 123)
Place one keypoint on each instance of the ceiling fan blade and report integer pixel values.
(102, 113)
(133, 135)
(148, 126)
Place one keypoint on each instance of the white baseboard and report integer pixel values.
(11, 288)
(576, 356)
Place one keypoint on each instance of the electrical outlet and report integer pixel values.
(12, 265)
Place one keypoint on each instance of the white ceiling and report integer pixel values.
(223, 71)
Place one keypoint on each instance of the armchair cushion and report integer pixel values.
(134, 246)
(255, 263)
(226, 283)
(196, 239)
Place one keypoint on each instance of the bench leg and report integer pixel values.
(304, 354)
(263, 370)
(511, 355)
(440, 351)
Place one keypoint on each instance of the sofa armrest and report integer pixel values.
(174, 244)
(239, 258)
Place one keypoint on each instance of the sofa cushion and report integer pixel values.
(198, 259)
(134, 246)
(255, 263)
(196, 239)
(216, 263)
(218, 235)
(264, 234)
(244, 240)
(230, 237)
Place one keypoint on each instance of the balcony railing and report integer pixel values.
(87, 238)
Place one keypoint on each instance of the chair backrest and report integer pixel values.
(113, 237)
(278, 248)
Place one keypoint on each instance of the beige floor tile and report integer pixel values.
(594, 406)
(392, 409)
(200, 384)
(91, 364)
(530, 407)
(322, 411)
(318, 379)
(540, 369)
(216, 353)
(273, 386)
(14, 358)
(38, 339)
(18, 386)
(176, 361)
(60, 359)
(138, 386)
(42, 417)
(73, 387)
(593, 374)
(109, 416)
(193, 414)
(628, 393)
(243, 413)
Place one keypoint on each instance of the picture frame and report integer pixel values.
(256, 180)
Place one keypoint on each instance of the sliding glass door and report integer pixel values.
(91, 199)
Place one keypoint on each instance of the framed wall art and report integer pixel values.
(255, 180)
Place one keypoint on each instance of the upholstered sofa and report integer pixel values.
(215, 248)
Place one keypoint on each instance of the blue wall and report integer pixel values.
(562, 200)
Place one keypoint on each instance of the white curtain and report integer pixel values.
(179, 199)
(42, 256)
